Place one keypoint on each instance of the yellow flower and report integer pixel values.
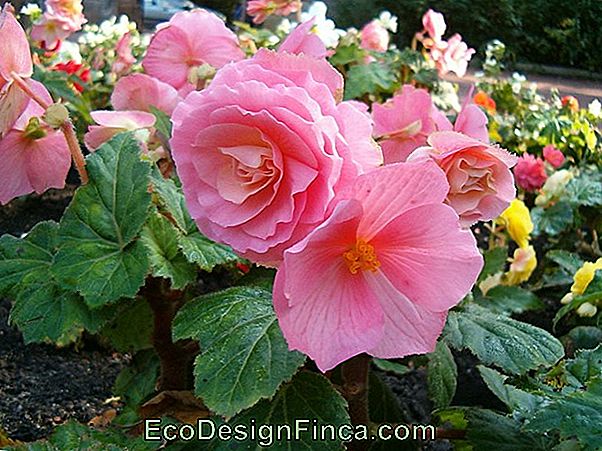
(517, 220)
(522, 266)
(584, 276)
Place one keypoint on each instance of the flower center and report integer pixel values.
(361, 257)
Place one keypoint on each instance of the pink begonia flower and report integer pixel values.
(471, 121)
(111, 123)
(32, 162)
(404, 122)
(50, 30)
(374, 37)
(189, 40)
(434, 24)
(302, 40)
(70, 10)
(479, 176)
(125, 60)
(264, 149)
(259, 10)
(379, 275)
(530, 172)
(140, 92)
(16, 57)
(453, 57)
(553, 156)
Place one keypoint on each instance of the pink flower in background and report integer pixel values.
(375, 37)
(470, 121)
(16, 57)
(434, 24)
(264, 149)
(111, 123)
(553, 156)
(140, 92)
(302, 40)
(404, 122)
(189, 40)
(530, 173)
(70, 10)
(259, 10)
(379, 275)
(481, 184)
(453, 57)
(61, 19)
(125, 60)
(34, 156)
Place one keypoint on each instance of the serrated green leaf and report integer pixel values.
(568, 261)
(162, 122)
(244, 356)
(98, 254)
(161, 240)
(586, 365)
(552, 220)
(309, 397)
(514, 346)
(582, 337)
(442, 375)
(495, 260)
(508, 300)
(392, 367)
(585, 189)
(514, 398)
(131, 327)
(346, 54)
(368, 79)
(382, 403)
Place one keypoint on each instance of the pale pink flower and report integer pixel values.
(379, 275)
(553, 156)
(479, 176)
(454, 57)
(302, 40)
(111, 123)
(530, 172)
(32, 160)
(404, 122)
(50, 30)
(140, 92)
(263, 150)
(70, 10)
(189, 40)
(16, 57)
(434, 24)
(374, 37)
(259, 10)
(471, 121)
(125, 60)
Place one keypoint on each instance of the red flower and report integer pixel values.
(482, 99)
(571, 103)
(79, 70)
(553, 156)
(530, 173)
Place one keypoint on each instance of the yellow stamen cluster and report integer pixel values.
(361, 257)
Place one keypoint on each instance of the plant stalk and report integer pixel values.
(355, 390)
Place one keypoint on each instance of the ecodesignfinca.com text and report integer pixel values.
(267, 434)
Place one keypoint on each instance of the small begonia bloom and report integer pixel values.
(189, 40)
(571, 103)
(374, 37)
(303, 40)
(125, 59)
(553, 156)
(264, 149)
(584, 276)
(453, 56)
(482, 99)
(404, 122)
(111, 123)
(70, 10)
(470, 121)
(530, 172)
(522, 265)
(259, 10)
(481, 183)
(434, 24)
(140, 92)
(32, 163)
(517, 220)
(379, 275)
(554, 187)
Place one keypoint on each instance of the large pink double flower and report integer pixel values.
(263, 151)
(380, 274)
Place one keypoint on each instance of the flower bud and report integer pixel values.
(587, 310)
(56, 115)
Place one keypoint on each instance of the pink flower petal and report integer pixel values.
(141, 91)
(302, 40)
(127, 120)
(14, 47)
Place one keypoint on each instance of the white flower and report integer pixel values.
(388, 21)
(554, 187)
(285, 26)
(31, 9)
(323, 27)
(586, 309)
(69, 51)
(595, 108)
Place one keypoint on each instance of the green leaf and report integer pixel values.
(368, 79)
(383, 405)
(582, 337)
(495, 260)
(346, 54)
(553, 220)
(30, 256)
(514, 346)
(585, 189)
(98, 254)
(514, 398)
(162, 122)
(586, 365)
(309, 397)
(131, 327)
(568, 261)
(507, 300)
(442, 376)
(244, 356)
(161, 240)
(391, 367)
(592, 294)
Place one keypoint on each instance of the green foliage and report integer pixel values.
(373, 78)
(99, 254)
(391, 367)
(162, 122)
(442, 376)
(508, 300)
(495, 261)
(553, 220)
(244, 356)
(131, 327)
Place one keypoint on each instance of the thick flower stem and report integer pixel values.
(355, 391)
(66, 128)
